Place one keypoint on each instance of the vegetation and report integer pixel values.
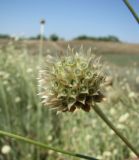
(37, 37)
(4, 36)
(21, 112)
(54, 37)
(108, 38)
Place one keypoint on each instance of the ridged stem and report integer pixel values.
(110, 124)
(131, 10)
(42, 145)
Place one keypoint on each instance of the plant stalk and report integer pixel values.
(109, 123)
(42, 25)
(131, 10)
(42, 145)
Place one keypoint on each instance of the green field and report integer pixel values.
(21, 111)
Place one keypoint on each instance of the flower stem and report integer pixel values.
(42, 145)
(131, 10)
(108, 122)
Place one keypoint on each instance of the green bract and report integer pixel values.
(71, 81)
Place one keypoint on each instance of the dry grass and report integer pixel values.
(99, 47)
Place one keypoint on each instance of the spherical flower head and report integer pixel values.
(71, 81)
(5, 149)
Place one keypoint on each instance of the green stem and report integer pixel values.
(41, 45)
(108, 122)
(42, 145)
(131, 10)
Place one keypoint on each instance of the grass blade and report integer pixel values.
(42, 145)
(131, 10)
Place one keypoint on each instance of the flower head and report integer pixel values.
(5, 149)
(71, 81)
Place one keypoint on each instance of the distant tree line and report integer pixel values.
(55, 37)
(4, 36)
(106, 38)
(52, 37)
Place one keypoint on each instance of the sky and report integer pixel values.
(70, 18)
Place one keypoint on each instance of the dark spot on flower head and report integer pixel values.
(78, 104)
(86, 107)
(71, 100)
(72, 108)
(64, 103)
(94, 75)
(81, 96)
(98, 97)
(91, 91)
(89, 99)
(72, 82)
(65, 91)
(55, 84)
(82, 80)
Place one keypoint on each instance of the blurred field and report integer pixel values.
(21, 111)
(114, 52)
